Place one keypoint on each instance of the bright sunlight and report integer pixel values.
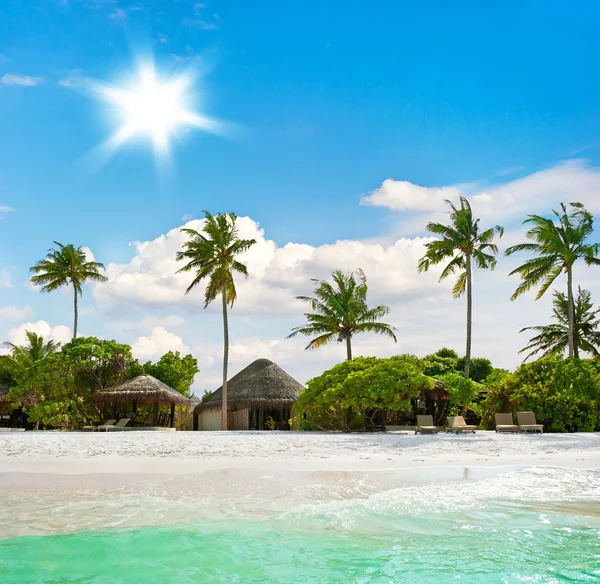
(153, 108)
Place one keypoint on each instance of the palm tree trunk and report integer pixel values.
(348, 349)
(571, 312)
(75, 312)
(225, 359)
(469, 316)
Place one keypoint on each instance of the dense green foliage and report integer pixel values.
(176, 371)
(446, 361)
(553, 339)
(340, 311)
(463, 392)
(563, 393)
(359, 394)
(56, 390)
(463, 247)
(66, 266)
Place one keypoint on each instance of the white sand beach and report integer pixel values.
(56, 482)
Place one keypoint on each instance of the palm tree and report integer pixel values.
(36, 348)
(556, 247)
(553, 338)
(66, 266)
(340, 312)
(466, 247)
(212, 256)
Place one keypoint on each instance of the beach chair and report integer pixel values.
(458, 425)
(120, 425)
(527, 422)
(505, 423)
(108, 424)
(425, 425)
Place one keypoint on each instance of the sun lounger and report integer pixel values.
(108, 424)
(120, 425)
(504, 423)
(458, 425)
(425, 425)
(527, 422)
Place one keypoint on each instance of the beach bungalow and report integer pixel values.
(143, 390)
(259, 397)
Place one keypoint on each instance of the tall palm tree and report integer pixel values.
(557, 246)
(341, 311)
(66, 266)
(553, 338)
(466, 248)
(211, 255)
(35, 349)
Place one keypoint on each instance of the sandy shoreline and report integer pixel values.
(190, 453)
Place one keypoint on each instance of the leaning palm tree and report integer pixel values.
(557, 246)
(553, 339)
(36, 348)
(211, 255)
(466, 248)
(340, 311)
(66, 266)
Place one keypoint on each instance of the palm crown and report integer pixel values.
(341, 311)
(464, 246)
(211, 255)
(37, 348)
(557, 246)
(66, 266)
(553, 339)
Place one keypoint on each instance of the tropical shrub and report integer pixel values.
(463, 392)
(563, 393)
(174, 370)
(359, 394)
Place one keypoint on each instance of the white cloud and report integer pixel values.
(150, 322)
(59, 333)
(187, 217)
(401, 195)
(6, 209)
(5, 279)
(159, 342)
(118, 14)
(16, 312)
(277, 274)
(23, 80)
(539, 192)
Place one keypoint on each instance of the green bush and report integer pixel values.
(355, 394)
(463, 392)
(563, 393)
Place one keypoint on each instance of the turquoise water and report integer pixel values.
(376, 541)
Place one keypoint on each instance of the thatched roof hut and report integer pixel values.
(263, 384)
(143, 389)
(439, 392)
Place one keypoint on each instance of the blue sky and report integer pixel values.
(329, 100)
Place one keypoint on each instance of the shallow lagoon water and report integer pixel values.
(532, 525)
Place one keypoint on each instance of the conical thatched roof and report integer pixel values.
(141, 389)
(262, 383)
(437, 393)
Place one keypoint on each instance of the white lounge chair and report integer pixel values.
(108, 424)
(505, 423)
(458, 425)
(425, 425)
(528, 423)
(120, 425)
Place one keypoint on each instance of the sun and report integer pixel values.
(152, 108)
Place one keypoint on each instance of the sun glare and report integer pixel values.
(153, 108)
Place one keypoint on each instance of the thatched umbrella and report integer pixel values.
(263, 384)
(143, 389)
